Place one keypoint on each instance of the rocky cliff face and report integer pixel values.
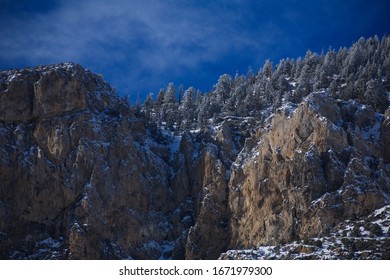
(313, 167)
(82, 178)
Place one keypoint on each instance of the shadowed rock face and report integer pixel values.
(82, 178)
(74, 170)
(30, 94)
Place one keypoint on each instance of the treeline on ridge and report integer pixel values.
(361, 72)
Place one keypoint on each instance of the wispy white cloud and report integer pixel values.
(154, 34)
(138, 43)
(142, 41)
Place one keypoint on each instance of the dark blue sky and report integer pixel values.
(141, 45)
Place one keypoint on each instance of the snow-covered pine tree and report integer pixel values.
(187, 108)
(223, 87)
(170, 107)
(149, 108)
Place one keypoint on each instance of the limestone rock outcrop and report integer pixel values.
(78, 177)
(314, 166)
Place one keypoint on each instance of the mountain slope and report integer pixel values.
(78, 171)
(261, 167)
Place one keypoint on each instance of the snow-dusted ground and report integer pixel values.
(48, 248)
(361, 239)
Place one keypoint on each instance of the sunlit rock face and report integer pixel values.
(314, 166)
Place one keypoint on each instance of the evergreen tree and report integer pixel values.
(169, 108)
(187, 108)
(181, 89)
(267, 69)
(149, 108)
(333, 89)
(158, 106)
(304, 84)
(341, 56)
(376, 96)
(354, 60)
(224, 87)
(203, 112)
(251, 76)
(288, 67)
(297, 68)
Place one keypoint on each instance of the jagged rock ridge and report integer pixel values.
(79, 174)
(82, 177)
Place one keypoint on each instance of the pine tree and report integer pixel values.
(224, 87)
(169, 107)
(354, 59)
(251, 77)
(288, 66)
(296, 72)
(158, 107)
(187, 108)
(376, 96)
(203, 113)
(149, 108)
(267, 69)
(180, 95)
(333, 89)
(137, 108)
(304, 84)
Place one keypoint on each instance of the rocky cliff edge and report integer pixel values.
(83, 178)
